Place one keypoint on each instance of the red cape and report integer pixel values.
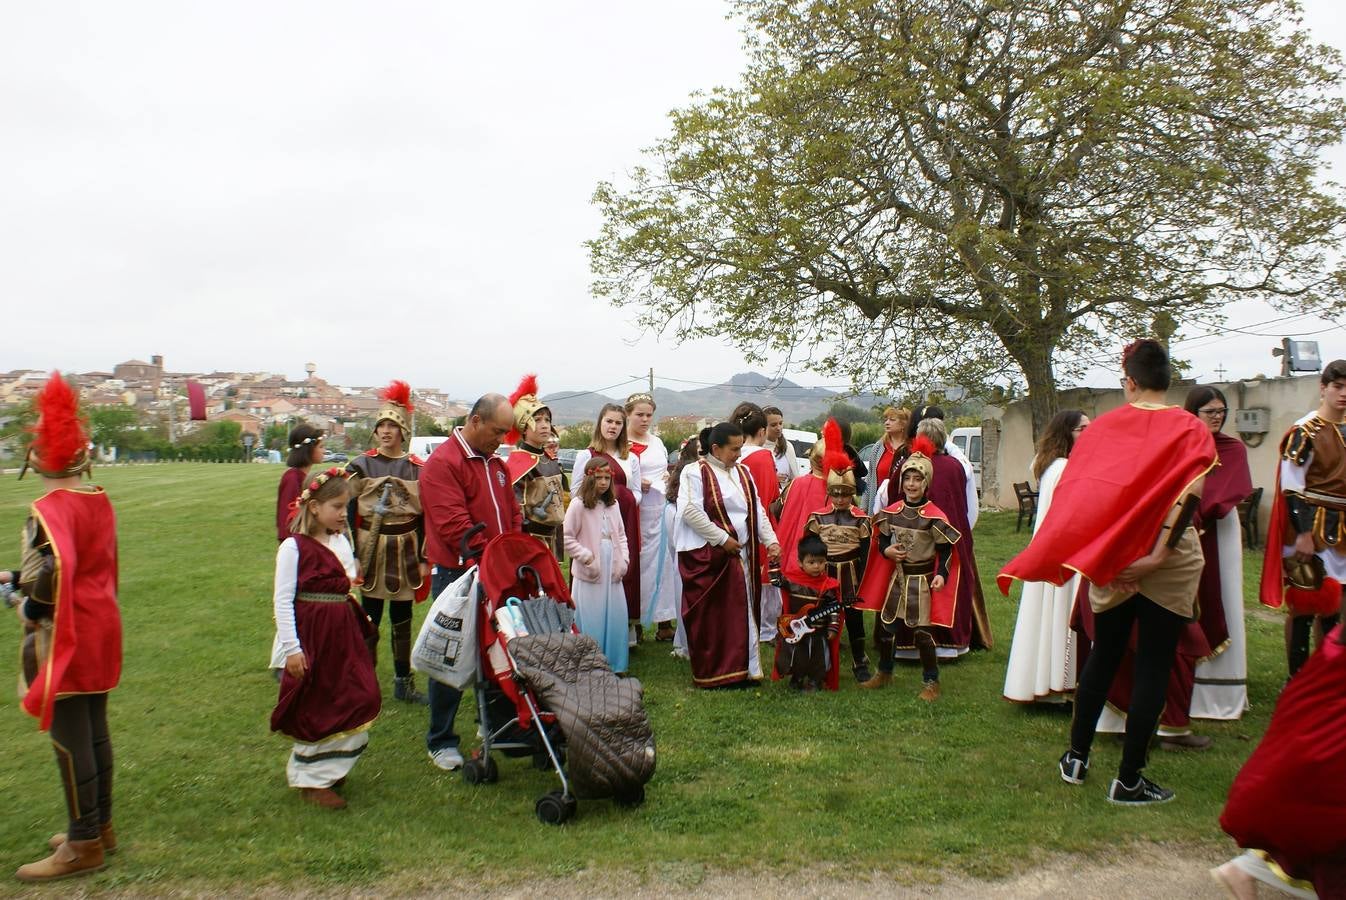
(1125, 473)
(803, 495)
(1290, 796)
(86, 646)
(1272, 591)
(879, 573)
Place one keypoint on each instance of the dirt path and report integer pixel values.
(1147, 871)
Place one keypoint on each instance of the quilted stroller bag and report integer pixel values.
(609, 742)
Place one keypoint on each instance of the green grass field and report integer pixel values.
(765, 778)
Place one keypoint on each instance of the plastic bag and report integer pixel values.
(446, 648)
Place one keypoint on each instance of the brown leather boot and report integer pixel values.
(880, 680)
(929, 693)
(71, 858)
(105, 834)
(324, 797)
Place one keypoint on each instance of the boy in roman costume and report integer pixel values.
(845, 530)
(912, 575)
(390, 532)
(1305, 563)
(809, 657)
(538, 479)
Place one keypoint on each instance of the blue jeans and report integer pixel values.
(444, 700)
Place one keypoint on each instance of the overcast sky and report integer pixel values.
(383, 189)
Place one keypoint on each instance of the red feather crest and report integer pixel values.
(923, 445)
(59, 437)
(398, 392)
(527, 386)
(834, 448)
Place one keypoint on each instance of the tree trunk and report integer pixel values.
(1033, 353)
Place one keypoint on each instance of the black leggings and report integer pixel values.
(399, 617)
(1298, 637)
(83, 748)
(1157, 633)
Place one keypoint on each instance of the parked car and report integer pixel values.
(969, 441)
(334, 456)
(566, 457)
(803, 442)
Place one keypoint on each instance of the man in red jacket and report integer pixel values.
(464, 484)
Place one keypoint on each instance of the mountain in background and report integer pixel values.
(796, 402)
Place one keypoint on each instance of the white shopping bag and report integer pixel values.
(446, 648)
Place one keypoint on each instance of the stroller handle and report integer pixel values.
(465, 551)
(537, 579)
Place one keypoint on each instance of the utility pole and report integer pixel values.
(651, 381)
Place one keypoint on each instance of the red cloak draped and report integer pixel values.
(879, 574)
(803, 496)
(86, 643)
(1126, 471)
(715, 594)
(1290, 796)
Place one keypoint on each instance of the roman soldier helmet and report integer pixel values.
(60, 446)
(397, 407)
(526, 406)
(921, 459)
(836, 462)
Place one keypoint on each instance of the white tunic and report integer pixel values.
(658, 560)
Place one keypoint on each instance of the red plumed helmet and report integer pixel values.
(923, 445)
(60, 442)
(837, 466)
(398, 392)
(525, 405)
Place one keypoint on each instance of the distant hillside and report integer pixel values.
(796, 402)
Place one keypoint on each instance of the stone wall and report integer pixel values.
(1007, 435)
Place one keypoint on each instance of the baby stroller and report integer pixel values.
(528, 642)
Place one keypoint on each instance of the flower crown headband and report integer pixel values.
(308, 440)
(316, 483)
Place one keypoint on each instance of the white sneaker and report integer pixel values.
(447, 759)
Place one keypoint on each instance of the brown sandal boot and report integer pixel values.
(71, 858)
(105, 834)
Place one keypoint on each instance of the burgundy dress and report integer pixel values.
(291, 486)
(339, 693)
(629, 507)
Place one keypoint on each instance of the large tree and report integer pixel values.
(904, 192)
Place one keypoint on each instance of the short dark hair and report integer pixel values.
(922, 412)
(718, 435)
(1146, 363)
(302, 438)
(1202, 394)
(1333, 371)
(811, 545)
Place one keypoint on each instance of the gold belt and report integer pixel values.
(310, 597)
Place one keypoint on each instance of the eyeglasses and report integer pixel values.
(1218, 412)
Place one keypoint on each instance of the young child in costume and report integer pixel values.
(845, 530)
(596, 543)
(912, 576)
(389, 529)
(328, 693)
(69, 575)
(809, 657)
(538, 479)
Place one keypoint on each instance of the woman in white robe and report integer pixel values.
(658, 560)
(1043, 664)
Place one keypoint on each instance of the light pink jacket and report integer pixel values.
(584, 535)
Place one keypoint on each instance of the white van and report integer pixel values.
(969, 441)
(424, 446)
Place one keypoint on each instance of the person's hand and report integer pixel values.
(732, 546)
(296, 664)
(773, 552)
(1304, 546)
(1133, 573)
(424, 569)
(895, 553)
(937, 582)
